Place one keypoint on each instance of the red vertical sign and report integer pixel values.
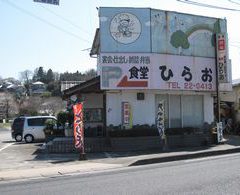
(222, 57)
(78, 126)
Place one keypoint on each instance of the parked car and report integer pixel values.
(30, 128)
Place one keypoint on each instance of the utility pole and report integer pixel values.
(217, 82)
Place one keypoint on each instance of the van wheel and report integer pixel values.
(28, 138)
(18, 137)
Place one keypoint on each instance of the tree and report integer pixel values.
(30, 106)
(10, 106)
(25, 76)
(89, 74)
(39, 75)
(49, 76)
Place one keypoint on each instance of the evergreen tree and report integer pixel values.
(41, 74)
(49, 76)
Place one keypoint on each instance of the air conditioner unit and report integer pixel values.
(140, 96)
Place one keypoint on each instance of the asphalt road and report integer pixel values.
(15, 155)
(215, 175)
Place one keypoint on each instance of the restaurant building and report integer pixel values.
(153, 62)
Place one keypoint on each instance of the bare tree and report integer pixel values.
(26, 77)
(9, 106)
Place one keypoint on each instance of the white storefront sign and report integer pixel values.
(157, 71)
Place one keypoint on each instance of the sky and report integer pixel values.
(55, 37)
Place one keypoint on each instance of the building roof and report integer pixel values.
(236, 82)
(96, 44)
(38, 83)
(89, 86)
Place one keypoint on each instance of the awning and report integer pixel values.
(90, 86)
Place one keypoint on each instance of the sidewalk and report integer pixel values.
(67, 164)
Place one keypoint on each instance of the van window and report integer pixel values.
(18, 124)
(36, 122)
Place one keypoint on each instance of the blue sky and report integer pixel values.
(57, 37)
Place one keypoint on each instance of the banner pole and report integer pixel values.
(82, 151)
(79, 130)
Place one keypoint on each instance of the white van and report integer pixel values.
(30, 128)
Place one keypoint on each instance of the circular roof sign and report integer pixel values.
(125, 28)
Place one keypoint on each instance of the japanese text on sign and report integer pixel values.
(162, 72)
(222, 58)
(125, 59)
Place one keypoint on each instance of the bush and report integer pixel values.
(49, 126)
(46, 94)
(62, 118)
(51, 130)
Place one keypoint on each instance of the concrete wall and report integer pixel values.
(143, 111)
(93, 100)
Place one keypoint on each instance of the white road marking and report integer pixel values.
(6, 146)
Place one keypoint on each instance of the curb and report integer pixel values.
(183, 157)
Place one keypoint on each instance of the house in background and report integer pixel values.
(38, 88)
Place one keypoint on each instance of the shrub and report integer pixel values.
(62, 118)
(49, 126)
(46, 94)
(51, 130)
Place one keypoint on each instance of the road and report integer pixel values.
(216, 175)
(15, 155)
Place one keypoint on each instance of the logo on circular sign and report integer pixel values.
(125, 28)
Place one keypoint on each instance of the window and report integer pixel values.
(35, 122)
(18, 124)
(192, 111)
(93, 114)
(182, 110)
(38, 121)
(175, 111)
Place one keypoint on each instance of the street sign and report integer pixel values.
(222, 58)
(54, 2)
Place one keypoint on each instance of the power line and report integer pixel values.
(66, 20)
(207, 5)
(43, 20)
(87, 49)
(231, 1)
